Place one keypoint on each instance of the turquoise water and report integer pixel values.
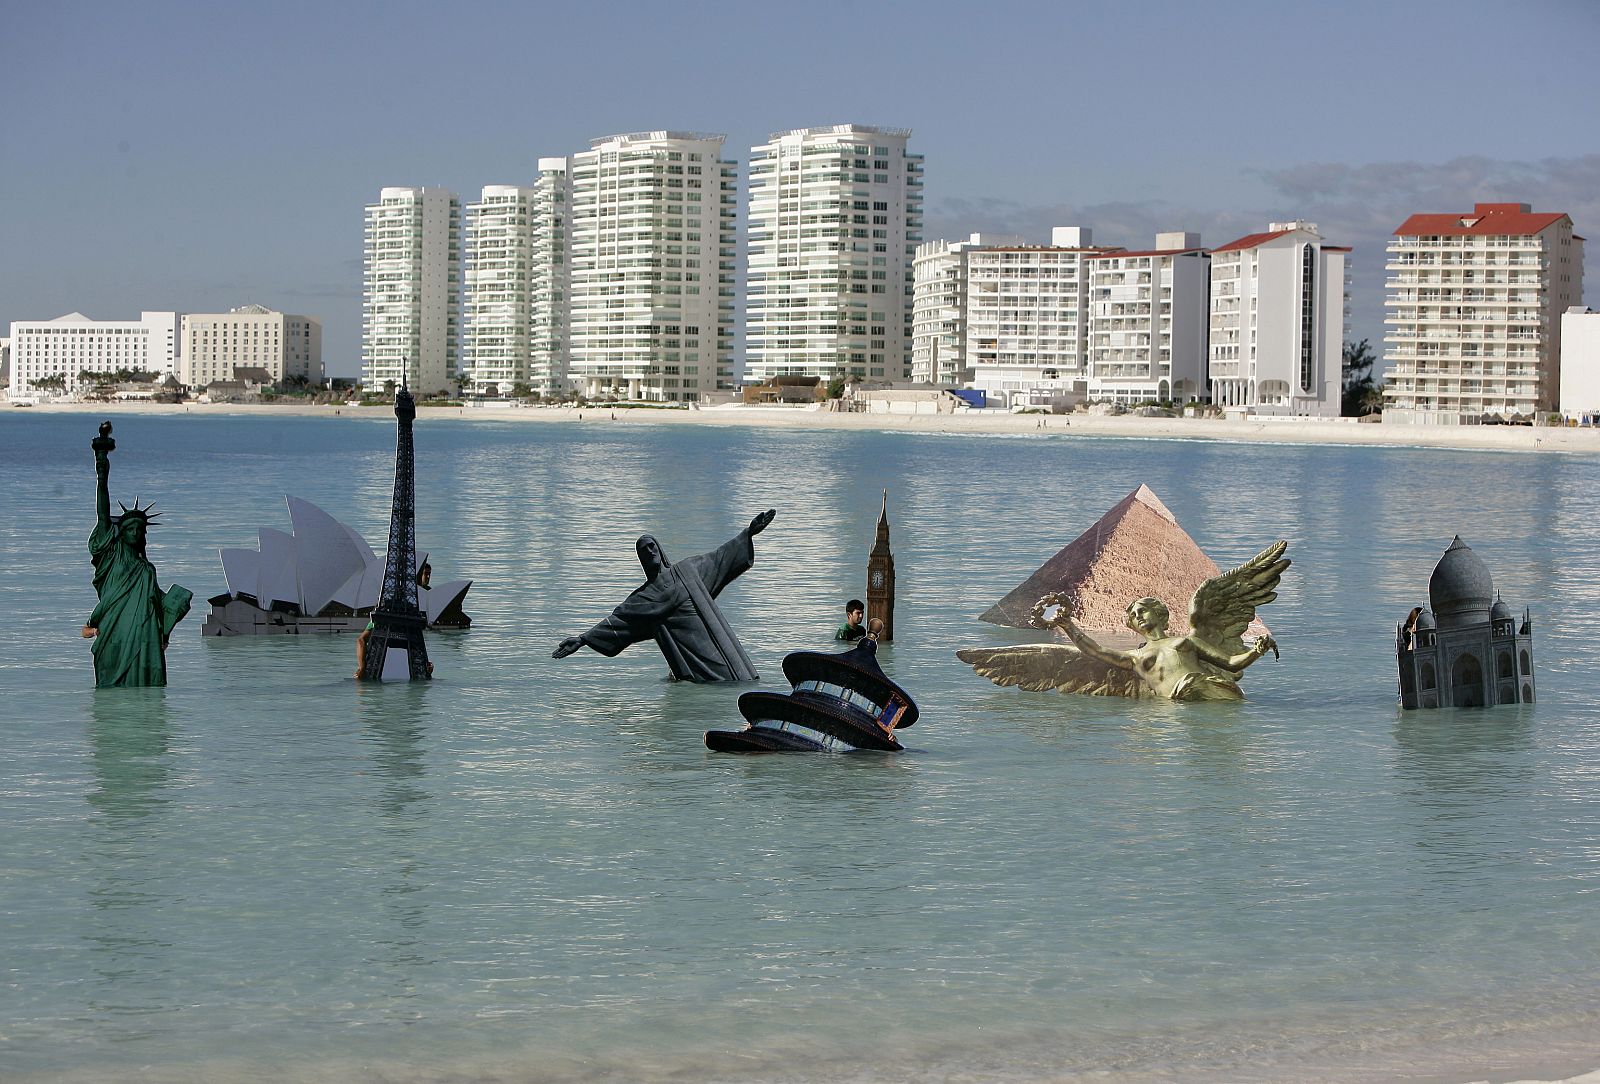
(532, 869)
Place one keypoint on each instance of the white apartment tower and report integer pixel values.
(497, 290)
(1580, 364)
(835, 219)
(1278, 305)
(939, 312)
(548, 280)
(1147, 322)
(56, 351)
(410, 311)
(1022, 330)
(283, 345)
(650, 252)
(1474, 312)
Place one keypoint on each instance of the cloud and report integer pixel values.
(322, 289)
(1353, 205)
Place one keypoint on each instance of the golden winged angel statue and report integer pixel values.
(1204, 665)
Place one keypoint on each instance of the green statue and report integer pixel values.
(134, 617)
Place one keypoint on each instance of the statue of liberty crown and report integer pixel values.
(147, 513)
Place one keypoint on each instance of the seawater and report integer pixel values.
(532, 869)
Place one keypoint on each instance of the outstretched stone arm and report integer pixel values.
(1235, 663)
(1084, 642)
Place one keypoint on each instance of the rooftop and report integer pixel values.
(1485, 219)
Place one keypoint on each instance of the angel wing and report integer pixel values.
(1040, 667)
(1225, 605)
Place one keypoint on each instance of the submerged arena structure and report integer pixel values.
(322, 578)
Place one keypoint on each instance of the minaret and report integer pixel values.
(397, 621)
(880, 575)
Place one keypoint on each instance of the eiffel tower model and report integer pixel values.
(397, 622)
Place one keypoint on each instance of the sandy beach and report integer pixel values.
(1267, 430)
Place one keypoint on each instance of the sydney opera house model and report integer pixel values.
(322, 578)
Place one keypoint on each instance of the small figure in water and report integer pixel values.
(852, 629)
(134, 618)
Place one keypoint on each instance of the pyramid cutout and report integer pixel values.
(1134, 550)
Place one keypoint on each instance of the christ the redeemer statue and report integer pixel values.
(676, 606)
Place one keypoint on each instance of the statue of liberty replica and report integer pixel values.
(134, 617)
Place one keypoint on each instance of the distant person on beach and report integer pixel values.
(852, 629)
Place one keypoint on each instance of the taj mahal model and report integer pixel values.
(1466, 649)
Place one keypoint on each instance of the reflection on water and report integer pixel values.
(130, 736)
(128, 937)
(394, 733)
(1468, 774)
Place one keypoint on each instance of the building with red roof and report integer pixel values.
(1474, 313)
(1276, 336)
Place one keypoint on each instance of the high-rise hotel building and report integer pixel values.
(497, 294)
(514, 301)
(1474, 312)
(1004, 316)
(835, 219)
(410, 314)
(650, 250)
(548, 280)
(1278, 306)
(1147, 322)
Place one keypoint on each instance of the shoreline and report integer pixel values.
(1258, 430)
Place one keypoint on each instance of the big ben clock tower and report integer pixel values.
(880, 575)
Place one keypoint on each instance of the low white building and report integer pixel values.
(1147, 322)
(73, 344)
(1278, 306)
(1580, 363)
(215, 344)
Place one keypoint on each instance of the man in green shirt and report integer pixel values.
(852, 629)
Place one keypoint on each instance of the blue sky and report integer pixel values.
(200, 156)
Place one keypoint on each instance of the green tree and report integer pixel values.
(1358, 383)
(836, 387)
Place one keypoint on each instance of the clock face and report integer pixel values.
(877, 577)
